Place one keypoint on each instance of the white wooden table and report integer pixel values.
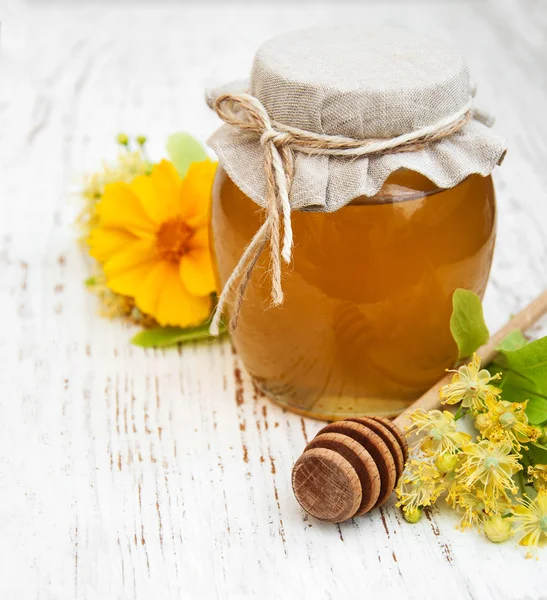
(132, 474)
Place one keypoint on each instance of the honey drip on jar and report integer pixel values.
(364, 328)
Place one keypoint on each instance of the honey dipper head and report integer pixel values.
(350, 467)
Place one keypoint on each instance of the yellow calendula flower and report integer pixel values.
(127, 166)
(152, 239)
(490, 466)
(530, 518)
(505, 421)
(440, 429)
(470, 385)
(420, 485)
(538, 476)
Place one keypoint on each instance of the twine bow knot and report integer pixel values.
(278, 142)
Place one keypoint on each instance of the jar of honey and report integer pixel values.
(373, 170)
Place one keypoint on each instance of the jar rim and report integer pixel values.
(392, 193)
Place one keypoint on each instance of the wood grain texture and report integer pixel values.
(376, 447)
(140, 474)
(361, 460)
(328, 483)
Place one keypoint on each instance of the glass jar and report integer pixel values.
(364, 327)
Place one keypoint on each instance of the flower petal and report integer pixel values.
(143, 250)
(528, 539)
(158, 192)
(541, 499)
(200, 239)
(177, 306)
(147, 299)
(120, 208)
(195, 193)
(143, 187)
(104, 242)
(197, 273)
(129, 282)
(167, 183)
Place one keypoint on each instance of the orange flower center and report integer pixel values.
(173, 239)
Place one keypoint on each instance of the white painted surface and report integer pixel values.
(131, 474)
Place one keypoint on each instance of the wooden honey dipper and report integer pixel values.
(352, 466)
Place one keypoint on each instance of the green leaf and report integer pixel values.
(530, 362)
(517, 389)
(183, 150)
(536, 409)
(90, 282)
(467, 322)
(524, 377)
(163, 337)
(537, 454)
(512, 341)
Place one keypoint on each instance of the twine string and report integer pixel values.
(279, 142)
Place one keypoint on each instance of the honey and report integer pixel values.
(364, 326)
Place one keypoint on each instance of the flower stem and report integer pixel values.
(521, 483)
(461, 412)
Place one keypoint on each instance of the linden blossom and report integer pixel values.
(490, 465)
(531, 520)
(506, 421)
(442, 437)
(479, 478)
(470, 386)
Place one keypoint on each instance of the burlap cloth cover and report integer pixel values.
(366, 85)
(362, 84)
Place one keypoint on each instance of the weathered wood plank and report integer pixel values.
(161, 474)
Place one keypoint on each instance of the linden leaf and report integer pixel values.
(512, 341)
(536, 409)
(516, 388)
(524, 377)
(163, 337)
(467, 322)
(537, 454)
(530, 362)
(183, 150)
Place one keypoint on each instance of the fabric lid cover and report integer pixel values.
(361, 84)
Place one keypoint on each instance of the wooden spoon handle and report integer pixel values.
(524, 319)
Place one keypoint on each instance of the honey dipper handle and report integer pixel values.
(524, 319)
